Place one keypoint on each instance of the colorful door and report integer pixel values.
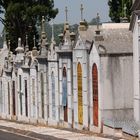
(14, 103)
(64, 98)
(95, 94)
(80, 96)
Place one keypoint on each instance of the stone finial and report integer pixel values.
(9, 43)
(19, 42)
(81, 9)
(66, 12)
(34, 48)
(43, 33)
(9, 47)
(19, 49)
(26, 46)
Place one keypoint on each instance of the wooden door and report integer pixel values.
(14, 102)
(65, 95)
(95, 94)
(80, 96)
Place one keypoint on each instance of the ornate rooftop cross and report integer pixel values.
(66, 12)
(81, 12)
(52, 31)
(98, 20)
(34, 42)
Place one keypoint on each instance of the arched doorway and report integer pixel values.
(80, 95)
(64, 94)
(53, 95)
(95, 94)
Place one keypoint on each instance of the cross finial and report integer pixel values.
(9, 43)
(81, 12)
(66, 11)
(26, 39)
(98, 20)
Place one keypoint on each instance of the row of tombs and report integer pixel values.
(84, 83)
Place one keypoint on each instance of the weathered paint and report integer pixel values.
(95, 94)
(80, 96)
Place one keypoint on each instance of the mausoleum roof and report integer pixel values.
(116, 38)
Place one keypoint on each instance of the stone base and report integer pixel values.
(65, 124)
(42, 122)
(8, 117)
(3, 116)
(52, 123)
(23, 119)
(33, 121)
(95, 129)
(111, 131)
(79, 127)
(14, 118)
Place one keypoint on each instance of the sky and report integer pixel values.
(91, 8)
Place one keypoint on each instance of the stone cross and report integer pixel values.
(97, 20)
(81, 12)
(125, 10)
(52, 31)
(66, 12)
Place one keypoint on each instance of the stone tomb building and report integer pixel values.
(84, 83)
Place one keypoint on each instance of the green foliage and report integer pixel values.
(23, 16)
(117, 10)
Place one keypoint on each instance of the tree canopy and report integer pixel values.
(22, 18)
(119, 8)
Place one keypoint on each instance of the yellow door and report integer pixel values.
(80, 100)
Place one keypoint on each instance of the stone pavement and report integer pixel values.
(40, 132)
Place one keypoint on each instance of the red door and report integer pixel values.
(95, 94)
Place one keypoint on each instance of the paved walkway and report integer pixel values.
(36, 131)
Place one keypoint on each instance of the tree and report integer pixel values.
(23, 16)
(119, 8)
